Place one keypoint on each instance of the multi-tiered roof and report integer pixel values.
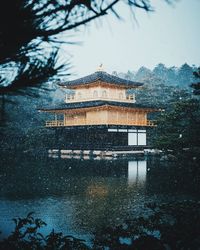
(100, 99)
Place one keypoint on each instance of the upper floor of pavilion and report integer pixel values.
(100, 86)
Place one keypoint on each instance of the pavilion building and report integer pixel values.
(98, 112)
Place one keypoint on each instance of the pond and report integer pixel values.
(81, 196)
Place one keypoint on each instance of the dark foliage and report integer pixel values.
(176, 225)
(26, 235)
(165, 226)
(178, 129)
(196, 86)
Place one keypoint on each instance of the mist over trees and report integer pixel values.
(162, 86)
(180, 77)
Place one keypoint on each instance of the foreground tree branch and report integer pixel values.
(27, 26)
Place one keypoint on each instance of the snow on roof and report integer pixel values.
(89, 104)
(101, 76)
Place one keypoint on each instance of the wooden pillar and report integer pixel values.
(136, 117)
(145, 116)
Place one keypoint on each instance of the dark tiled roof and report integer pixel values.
(102, 76)
(89, 104)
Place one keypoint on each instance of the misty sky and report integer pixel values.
(169, 35)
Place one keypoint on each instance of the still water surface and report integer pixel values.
(78, 197)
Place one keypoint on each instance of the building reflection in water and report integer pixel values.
(137, 171)
(59, 176)
(78, 196)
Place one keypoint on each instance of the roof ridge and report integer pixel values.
(105, 77)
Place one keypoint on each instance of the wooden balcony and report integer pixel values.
(70, 98)
(54, 123)
(151, 123)
(83, 122)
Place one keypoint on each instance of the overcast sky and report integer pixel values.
(170, 35)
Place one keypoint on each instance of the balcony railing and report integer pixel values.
(151, 123)
(82, 122)
(73, 98)
(54, 123)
